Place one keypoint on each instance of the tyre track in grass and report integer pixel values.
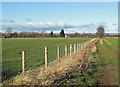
(109, 73)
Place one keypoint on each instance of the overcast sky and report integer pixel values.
(81, 17)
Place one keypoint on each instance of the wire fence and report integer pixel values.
(13, 63)
(52, 53)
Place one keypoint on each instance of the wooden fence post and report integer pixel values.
(23, 61)
(70, 49)
(77, 47)
(58, 53)
(81, 46)
(65, 50)
(46, 58)
(74, 48)
(85, 44)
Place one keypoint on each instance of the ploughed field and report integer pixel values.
(34, 52)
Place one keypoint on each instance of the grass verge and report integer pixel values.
(92, 74)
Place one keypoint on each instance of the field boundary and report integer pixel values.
(61, 52)
(58, 70)
(77, 48)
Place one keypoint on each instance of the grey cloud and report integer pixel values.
(28, 19)
(8, 21)
(48, 26)
(86, 26)
(114, 24)
(36, 27)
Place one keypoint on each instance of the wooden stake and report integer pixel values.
(70, 49)
(74, 48)
(46, 58)
(58, 53)
(65, 50)
(80, 46)
(23, 61)
(77, 47)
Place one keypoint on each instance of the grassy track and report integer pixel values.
(111, 52)
(105, 69)
(109, 55)
(34, 52)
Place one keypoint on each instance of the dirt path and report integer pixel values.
(109, 73)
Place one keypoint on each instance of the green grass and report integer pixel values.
(111, 52)
(93, 72)
(34, 52)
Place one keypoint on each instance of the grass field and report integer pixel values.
(34, 52)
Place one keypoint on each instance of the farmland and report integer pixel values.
(105, 59)
(34, 52)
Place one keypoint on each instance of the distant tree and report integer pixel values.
(107, 35)
(76, 34)
(100, 31)
(15, 34)
(8, 32)
(62, 34)
(43, 32)
(51, 34)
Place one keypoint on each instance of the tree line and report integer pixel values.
(8, 34)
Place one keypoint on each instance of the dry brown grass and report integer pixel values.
(101, 41)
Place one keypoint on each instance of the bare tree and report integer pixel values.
(8, 32)
(100, 31)
(43, 32)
